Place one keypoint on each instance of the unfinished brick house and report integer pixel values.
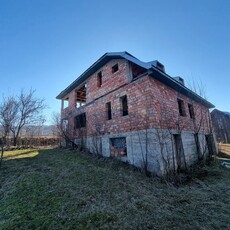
(221, 125)
(132, 110)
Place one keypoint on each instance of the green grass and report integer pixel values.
(61, 189)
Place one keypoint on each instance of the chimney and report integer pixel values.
(179, 79)
(157, 65)
(160, 66)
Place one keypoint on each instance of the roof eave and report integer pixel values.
(91, 70)
(154, 72)
(169, 81)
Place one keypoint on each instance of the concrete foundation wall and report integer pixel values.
(152, 148)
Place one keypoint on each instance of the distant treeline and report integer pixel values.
(25, 142)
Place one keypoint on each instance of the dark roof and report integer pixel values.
(152, 68)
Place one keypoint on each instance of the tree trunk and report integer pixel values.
(1, 158)
(15, 141)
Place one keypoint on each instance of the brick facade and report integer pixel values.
(150, 105)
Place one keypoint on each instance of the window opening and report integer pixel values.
(115, 68)
(181, 107)
(118, 146)
(109, 111)
(80, 96)
(65, 103)
(178, 149)
(64, 124)
(209, 143)
(191, 111)
(99, 79)
(80, 121)
(137, 70)
(124, 105)
(197, 142)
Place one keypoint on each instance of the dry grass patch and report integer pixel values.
(17, 154)
(224, 152)
(224, 148)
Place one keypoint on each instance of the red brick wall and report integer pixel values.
(110, 81)
(151, 104)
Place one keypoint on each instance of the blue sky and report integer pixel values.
(47, 44)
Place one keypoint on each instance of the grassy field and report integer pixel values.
(61, 189)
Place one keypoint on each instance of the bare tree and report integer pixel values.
(198, 87)
(2, 151)
(168, 138)
(58, 127)
(28, 112)
(8, 113)
(202, 124)
(17, 112)
(63, 130)
(96, 137)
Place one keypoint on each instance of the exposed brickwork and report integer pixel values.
(110, 81)
(151, 104)
(153, 108)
